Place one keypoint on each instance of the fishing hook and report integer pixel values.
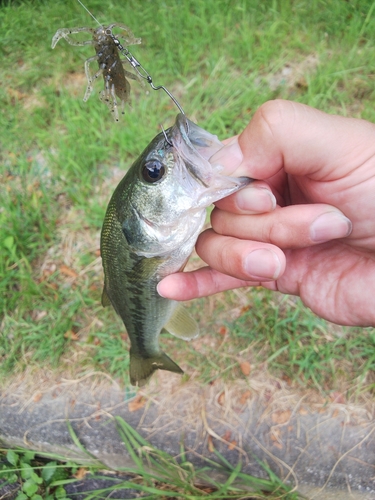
(166, 137)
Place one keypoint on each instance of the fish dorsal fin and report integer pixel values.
(105, 299)
(182, 325)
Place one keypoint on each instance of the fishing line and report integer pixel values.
(141, 71)
(87, 10)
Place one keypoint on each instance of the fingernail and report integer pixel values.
(330, 226)
(262, 264)
(256, 199)
(158, 290)
(229, 156)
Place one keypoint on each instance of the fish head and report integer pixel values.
(170, 186)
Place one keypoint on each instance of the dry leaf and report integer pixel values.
(16, 94)
(56, 393)
(275, 435)
(232, 445)
(71, 335)
(245, 396)
(221, 398)
(281, 417)
(211, 447)
(223, 330)
(278, 445)
(244, 309)
(303, 411)
(81, 473)
(68, 271)
(245, 368)
(267, 395)
(37, 397)
(205, 489)
(98, 406)
(38, 315)
(227, 435)
(287, 379)
(137, 403)
(337, 397)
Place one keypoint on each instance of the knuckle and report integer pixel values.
(273, 113)
(230, 258)
(278, 234)
(218, 221)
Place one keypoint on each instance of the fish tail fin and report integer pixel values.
(142, 368)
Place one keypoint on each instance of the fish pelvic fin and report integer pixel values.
(182, 325)
(142, 368)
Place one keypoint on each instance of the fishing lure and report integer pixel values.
(108, 49)
(116, 85)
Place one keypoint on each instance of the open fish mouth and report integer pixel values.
(192, 141)
(195, 146)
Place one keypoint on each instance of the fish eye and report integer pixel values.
(153, 171)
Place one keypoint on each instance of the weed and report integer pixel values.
(33, 477)
(154, 474)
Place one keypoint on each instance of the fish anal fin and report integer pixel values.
(142, 368)
(106, 301)
(182, 324)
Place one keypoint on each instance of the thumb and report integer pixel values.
(299, 139)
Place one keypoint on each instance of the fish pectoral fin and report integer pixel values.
(142, 368)
(182, 324)
(145, 268)
(105, 299)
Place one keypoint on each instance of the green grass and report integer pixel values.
(154, 474)
(62, 158)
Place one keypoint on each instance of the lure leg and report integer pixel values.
(128, 36)
(123, 107)
(90, 77)
(132, 76)
(114, 103)
(129, 40)
(105, 94)
(108, 96)
(66, 32)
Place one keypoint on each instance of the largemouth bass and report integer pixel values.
(150, 228)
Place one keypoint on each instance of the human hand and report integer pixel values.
(318, 241)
